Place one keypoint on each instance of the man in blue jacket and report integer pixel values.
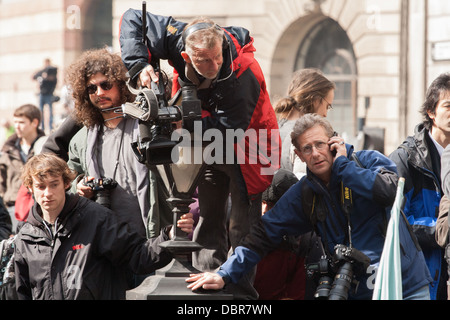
(316, 203)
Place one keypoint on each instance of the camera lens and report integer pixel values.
(323, 289)
(342, 282)
(103, 198)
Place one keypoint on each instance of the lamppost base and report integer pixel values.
(169, 283)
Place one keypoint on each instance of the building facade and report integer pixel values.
(382, 54)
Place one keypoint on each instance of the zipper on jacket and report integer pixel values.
(431, 175)
(50, 231)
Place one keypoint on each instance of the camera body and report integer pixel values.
(344, 267)
(102, 188)
(157, 118)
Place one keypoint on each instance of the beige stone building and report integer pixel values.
(382, 54)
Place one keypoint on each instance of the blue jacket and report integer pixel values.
(423, 192)
(373, 188)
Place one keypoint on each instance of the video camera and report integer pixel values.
(157, 118)
(345, 266)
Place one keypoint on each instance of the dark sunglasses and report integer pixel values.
(105, 85)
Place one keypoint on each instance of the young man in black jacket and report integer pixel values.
(73, 248)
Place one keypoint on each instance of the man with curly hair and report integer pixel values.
(102, 148)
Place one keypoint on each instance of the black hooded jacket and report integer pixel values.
(85, 255)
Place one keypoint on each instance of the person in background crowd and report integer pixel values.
(309, 92)
(47, 79)
(16, 151)
(442, 223)
(418, 160)
(281, 274)
(5, 222)
(6, 130)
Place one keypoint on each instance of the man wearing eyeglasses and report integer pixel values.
(319, 202)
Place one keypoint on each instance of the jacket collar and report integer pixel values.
(418, 149)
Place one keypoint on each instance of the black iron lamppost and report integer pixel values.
(169, 283)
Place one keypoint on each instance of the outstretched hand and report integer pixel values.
(207, 281)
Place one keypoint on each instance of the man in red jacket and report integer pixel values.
(235, 101)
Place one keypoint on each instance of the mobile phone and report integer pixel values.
(333, 152)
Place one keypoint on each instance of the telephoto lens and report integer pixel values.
(323, 289)
(342, 282)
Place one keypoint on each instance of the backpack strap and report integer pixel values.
(315, 209)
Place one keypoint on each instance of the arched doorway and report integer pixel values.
(328, 48)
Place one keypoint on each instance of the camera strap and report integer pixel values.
(118, 152)
(116, 165)
(347, 207)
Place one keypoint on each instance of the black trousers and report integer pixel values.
(222, 225)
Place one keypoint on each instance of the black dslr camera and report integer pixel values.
(156, 120)
(344, 267)
(102, 188)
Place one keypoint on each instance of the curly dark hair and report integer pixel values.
(78, 74)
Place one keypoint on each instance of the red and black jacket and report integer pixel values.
(238, 100)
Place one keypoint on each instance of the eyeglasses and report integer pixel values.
(320, 145)
(105, 85)
(329, 105)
